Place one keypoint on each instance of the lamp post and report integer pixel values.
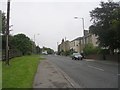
(83, 30)
(34, 36)
(34, 46)
(82, 22)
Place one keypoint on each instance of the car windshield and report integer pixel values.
(76, 54)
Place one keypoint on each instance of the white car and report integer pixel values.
(77, 56)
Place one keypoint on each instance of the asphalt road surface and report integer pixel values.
(88, 73)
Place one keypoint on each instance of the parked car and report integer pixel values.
(77, 56)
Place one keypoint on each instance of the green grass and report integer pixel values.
(21, 72)
(0, 75)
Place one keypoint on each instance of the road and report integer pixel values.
(88, 73)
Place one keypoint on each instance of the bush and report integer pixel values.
(104, 51)
(90, 49)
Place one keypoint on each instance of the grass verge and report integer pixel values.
(0, 75)
(21, 72)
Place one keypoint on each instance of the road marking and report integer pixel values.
(89, 60)
(118, 74)
(95, 68)
(68, 80)
(64, 75)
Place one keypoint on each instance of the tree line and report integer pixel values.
(19, 44)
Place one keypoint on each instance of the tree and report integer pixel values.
(38, 50)
(0, 21)
(22, 43)
(3, 23)
(106, 24)
(90, 49)
(49, 50)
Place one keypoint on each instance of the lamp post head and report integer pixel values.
(75, 17)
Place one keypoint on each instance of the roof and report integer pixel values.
(77, 38)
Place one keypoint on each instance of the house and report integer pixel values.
(79, 43)
(64, 46)
(44, 52)
(75, 44)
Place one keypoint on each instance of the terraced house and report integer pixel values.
(64, 46)
(79, 43)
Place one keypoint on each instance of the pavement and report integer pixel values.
(50, 76)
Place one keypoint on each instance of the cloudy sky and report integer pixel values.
(50, 20)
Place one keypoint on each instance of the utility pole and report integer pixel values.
(7, 32)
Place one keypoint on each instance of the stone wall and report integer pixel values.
(114, 57)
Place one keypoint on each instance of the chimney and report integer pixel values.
(86, 32)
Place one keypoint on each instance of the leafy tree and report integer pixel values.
(69, 52)
(38, 50)
(3, 22)
(22, 43)
(0, 21)
(106, 24)
(90, 49)
(49, 50)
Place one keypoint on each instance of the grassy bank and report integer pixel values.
(0, 74)
(21, 72)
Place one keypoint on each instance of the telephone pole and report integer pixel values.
(7, 32)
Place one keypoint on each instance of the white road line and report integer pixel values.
(69, 81)
(95, 68)
(118, 74)
(89, 60)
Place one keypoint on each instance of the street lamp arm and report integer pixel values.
(82, 21)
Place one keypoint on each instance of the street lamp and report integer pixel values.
(34, 46)
(34, 36)
(83, 30)
(82, 22)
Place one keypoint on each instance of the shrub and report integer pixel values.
(90, 49)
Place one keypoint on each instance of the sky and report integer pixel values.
(50, 20)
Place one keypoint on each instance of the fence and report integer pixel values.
(12, 53)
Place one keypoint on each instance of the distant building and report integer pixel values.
(44, 52)
(89, 38)
(75, 44)
(64, 46)
(79, 43)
